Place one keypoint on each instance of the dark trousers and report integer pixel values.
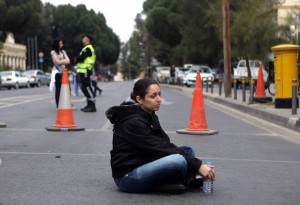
(96, 88)
(85, 85)
(58, 78)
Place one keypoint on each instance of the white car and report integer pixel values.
(13, 79)
(205, 73)
(180, 73)
(162, 74)
(241, 72)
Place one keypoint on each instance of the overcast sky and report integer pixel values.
(119, 14)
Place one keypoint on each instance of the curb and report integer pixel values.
(291, 123)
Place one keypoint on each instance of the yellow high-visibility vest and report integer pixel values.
(88, 62)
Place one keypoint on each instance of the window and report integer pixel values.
(243, 64)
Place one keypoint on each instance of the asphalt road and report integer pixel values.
(254, 164)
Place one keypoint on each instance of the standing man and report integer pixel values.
(172, 74)
(85, 63)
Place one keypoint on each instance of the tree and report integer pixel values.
(22, 18)
(70, 23)
(192, 30)
(182, 28)
(30, 18)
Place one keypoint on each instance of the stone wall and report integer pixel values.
(13, 55)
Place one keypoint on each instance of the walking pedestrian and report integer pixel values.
(60, 59)
(172, 74)
(143, 158)
(95, 78)
(85, 63)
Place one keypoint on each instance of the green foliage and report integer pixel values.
(22, 18)
(71, 23)
(30, 18)
(163, 27)
(136, 53)
(254, 29)
(191, 31)
(174, 31)
(182, 32)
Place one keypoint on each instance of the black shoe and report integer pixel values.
(84, 108)
(100, 91)
(89, 109)
(195, 183)
(174, 188)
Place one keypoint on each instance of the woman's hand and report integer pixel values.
(207, 171)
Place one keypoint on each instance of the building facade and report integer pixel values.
(12, 55)
(289, 8)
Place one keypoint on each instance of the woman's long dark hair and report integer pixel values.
(55, 45)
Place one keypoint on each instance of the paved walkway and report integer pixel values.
(265, 111)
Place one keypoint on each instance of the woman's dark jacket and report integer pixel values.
(139, 139)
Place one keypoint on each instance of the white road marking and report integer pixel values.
(276, 130)
(105, 126)
(12, 101)
(164, 102)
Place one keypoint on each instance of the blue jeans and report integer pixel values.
(169, 169)
(75, 81)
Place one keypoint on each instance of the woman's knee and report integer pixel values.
(178, 160)
(189, 150)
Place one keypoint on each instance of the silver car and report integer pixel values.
(37, 77)
(13, 79)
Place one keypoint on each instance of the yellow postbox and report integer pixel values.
(285, 64)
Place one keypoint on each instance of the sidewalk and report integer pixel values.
(268, 112)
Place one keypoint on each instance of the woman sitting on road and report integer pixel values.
(143, 158)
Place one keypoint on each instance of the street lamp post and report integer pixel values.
(226, 48)
(297, 22)
(297, 19)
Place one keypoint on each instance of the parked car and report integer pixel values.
(37, 77)
(180, 73)
(205, 73)
(49, 77)
(215, 73)
(241, 72)
(161, 74)
(13, 79)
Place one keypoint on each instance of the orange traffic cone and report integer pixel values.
(260, 93)
(197, 124)
(64, 119)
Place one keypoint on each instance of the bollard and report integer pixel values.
(212, 86)
(220, 86)
(244, 89)
(234, 89)
(206, 83)
(294, 97)
(251, 91)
